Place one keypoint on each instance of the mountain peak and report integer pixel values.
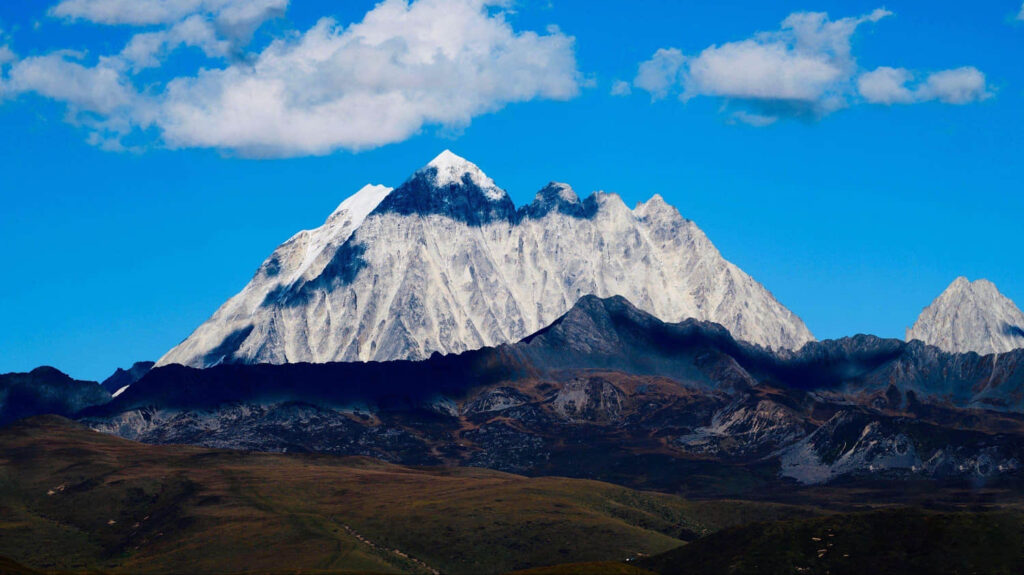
(971, 316)
(452, 186)
(556, 197)
(978, 286)
(656, 205)
(449, 169)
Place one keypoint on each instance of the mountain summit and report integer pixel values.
(454, 187)
(971, 316)
(446, 263)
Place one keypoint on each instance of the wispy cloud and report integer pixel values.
(805, 69)
(405, 66)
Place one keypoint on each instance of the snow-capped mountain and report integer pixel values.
(446, 263)
(971, 316)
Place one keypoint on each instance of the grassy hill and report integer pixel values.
(73, 499)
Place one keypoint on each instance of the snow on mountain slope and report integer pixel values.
(446, 263)
(971, 316)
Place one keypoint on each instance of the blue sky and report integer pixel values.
(855, 165)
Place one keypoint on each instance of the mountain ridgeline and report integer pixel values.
(606, 384)
(446, 263)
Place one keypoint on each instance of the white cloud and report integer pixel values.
(750, 70)
(231, 13)
(621, 88)
(1020, 15)
(216, 26)
(99, 97)
(886, 85)
(804, 69)
(136, 12)
(661, 73)
(957, 86)
(378, 81)
(100, 89)
(801, 69)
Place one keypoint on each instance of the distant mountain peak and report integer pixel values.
(971, 316)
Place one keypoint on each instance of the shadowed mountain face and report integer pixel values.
(45, 390)
(122, 378)
(608, 391)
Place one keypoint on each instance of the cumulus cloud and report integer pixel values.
(406, 65)
(957, 86)
(378, 81)
(805, 69)
(886, 85)
(801, 66)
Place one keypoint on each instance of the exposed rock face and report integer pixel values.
(446, 263)
(971, 316)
